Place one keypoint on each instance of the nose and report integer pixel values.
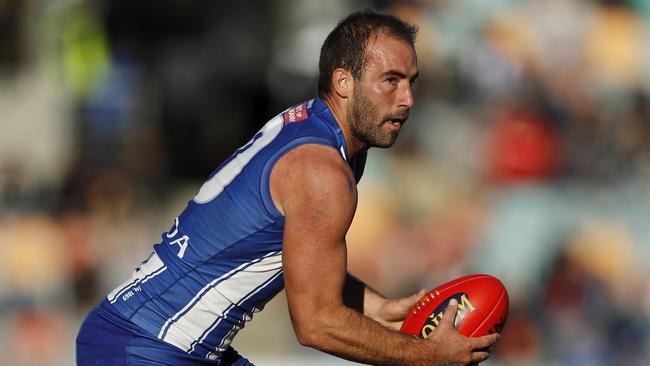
(406, 96)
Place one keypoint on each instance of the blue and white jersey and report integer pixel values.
(221, 261)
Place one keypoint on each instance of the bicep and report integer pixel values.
(319, 200)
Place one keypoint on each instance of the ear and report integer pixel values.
(342, 83)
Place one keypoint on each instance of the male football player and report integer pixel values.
(273, 216)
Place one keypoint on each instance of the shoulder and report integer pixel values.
(314, 165)
(308, 119)
(312, 174)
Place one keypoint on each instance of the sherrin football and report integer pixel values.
(482, 307)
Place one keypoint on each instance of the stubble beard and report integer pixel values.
(366, 125)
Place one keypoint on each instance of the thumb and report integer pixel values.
(450, 314)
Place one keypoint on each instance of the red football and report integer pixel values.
(482, 307)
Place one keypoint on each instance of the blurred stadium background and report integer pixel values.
(527, 157)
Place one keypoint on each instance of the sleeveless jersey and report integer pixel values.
(221, 261)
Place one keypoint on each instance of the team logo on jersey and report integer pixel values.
(296, 113)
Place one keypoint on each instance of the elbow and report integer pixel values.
(307, 339)
(311, 330)
(307, 334)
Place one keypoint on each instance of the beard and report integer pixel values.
(367, 126)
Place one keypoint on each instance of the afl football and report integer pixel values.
(482, 307)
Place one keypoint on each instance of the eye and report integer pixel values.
(391, 80)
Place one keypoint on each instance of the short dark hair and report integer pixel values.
(345, 46)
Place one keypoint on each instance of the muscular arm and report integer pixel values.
(316, 191)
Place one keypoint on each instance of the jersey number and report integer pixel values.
(215, 185)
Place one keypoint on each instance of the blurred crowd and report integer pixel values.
(527, 156)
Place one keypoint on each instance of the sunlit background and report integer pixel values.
(527, 157)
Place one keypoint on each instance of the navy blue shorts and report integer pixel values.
(105, 339)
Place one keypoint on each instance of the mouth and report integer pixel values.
(397, 119)
(396, 122)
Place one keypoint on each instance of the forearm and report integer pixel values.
(372, 302)
(348, 334)
(358, 296)
(353, 294)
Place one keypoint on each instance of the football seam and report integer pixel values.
(496, 304)
(470, 279)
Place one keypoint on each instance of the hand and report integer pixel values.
(391, 313)
(452, 348)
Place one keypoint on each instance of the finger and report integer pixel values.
(414, 298)
(399, 308)
(408, 302)
(484, 341)
(450, 313)
(480, 356)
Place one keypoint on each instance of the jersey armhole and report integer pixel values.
(265, 181)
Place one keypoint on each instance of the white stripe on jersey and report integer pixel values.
(149, 269)
(225, 342)
(191, 322)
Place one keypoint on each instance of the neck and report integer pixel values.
(340, 113)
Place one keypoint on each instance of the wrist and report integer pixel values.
(419, 352)
(372, 304)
